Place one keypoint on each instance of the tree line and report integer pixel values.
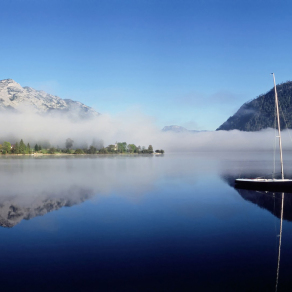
(97, 148)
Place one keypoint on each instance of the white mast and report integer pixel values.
(279, 129)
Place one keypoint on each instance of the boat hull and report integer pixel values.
(276, 185)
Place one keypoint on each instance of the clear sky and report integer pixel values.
(188, 63)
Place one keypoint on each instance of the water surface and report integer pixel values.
(142, 223)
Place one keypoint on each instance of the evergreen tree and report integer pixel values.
(150, 149)
(28, 148)
(36, 148)
(22, 147)
(16, 148)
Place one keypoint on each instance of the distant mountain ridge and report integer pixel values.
(259, 113)
(14, 97)
(178, 129)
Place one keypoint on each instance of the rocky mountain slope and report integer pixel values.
(260, 112)
(16, 98)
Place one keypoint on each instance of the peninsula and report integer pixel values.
(96, 148)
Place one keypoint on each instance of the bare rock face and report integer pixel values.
(16, 98)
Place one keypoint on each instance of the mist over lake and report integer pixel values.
(141, 223)
(123, 126)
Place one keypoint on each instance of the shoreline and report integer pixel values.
(73, 154)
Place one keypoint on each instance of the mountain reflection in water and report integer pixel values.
(16, 208)
(271, 201)
(33, 187)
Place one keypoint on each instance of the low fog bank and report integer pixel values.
(131, 127)
(234, 140)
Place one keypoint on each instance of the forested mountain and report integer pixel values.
(260, 112)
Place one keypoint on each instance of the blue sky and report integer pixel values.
(189, 63)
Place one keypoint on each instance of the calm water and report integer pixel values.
(142, 223)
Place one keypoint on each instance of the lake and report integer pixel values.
(142, 223)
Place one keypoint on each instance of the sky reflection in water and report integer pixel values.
(126, 223)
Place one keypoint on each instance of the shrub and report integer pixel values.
(78, 151)
(52, 150)
(159, 151)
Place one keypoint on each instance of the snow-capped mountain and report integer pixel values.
(179, 129)
(17, 98)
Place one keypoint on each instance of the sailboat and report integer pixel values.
(264, 183)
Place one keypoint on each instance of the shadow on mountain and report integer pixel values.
(270, 201)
